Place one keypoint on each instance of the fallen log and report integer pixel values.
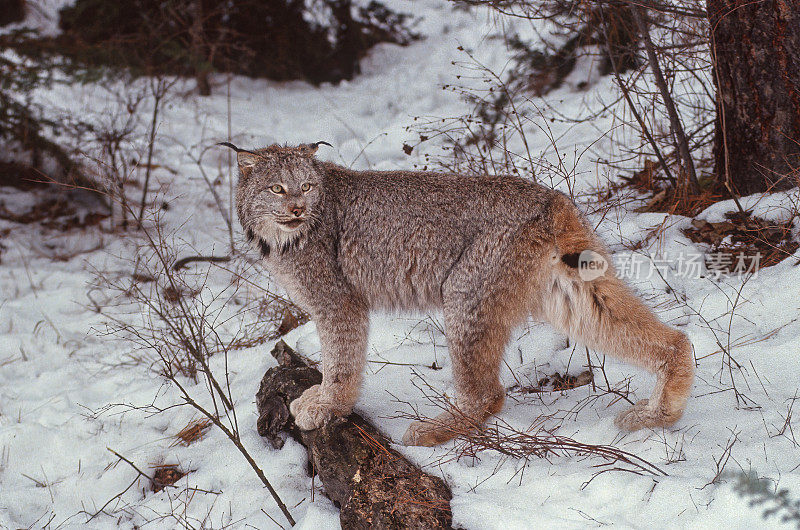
(373, 485)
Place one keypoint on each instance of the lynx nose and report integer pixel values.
(297, 210)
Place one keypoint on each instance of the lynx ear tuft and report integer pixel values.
(228, 144)
(310, 149)
(246, 159)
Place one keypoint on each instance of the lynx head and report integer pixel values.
(278, 194)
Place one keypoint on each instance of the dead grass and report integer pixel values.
(556, 383)
(744, 240)
(166, 475)
(664, 197)
(193, 432)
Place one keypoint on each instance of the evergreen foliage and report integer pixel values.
(313, 40)
(22, 122)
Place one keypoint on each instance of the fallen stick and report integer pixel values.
(373, 485)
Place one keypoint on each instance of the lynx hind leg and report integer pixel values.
(604, 314)
(476, 349)
(480, 310)
(479, 393)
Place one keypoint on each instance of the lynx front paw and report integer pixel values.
(641, 416)
(309, 411)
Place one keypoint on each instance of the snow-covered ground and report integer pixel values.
(69, 392)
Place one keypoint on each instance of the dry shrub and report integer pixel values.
(180, 336)
(182, 313)
(658, 53)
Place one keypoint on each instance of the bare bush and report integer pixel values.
(658, 53)
(183, 323)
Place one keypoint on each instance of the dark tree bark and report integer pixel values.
(11, 11)
(756, 49)
(374, 486)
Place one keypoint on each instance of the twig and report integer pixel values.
(159, 89)
(183, 262)
(722, 461)
(629, 101)
(217, 199)
(119, 495)
(141, 473)
(230, 172)
(236, 440)
(689, 183)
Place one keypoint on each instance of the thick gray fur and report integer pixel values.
(489, 251)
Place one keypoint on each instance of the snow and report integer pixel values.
(69, 392)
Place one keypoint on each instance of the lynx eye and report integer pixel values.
(306, 187)
(277, 189)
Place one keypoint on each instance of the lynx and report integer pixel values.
(490, 252)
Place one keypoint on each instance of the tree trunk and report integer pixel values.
(756, 47)
(199, 56)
